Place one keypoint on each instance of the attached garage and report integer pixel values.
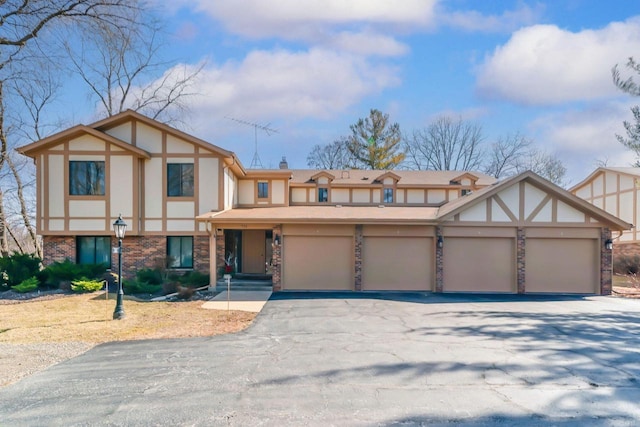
(398, 258)
(318, 258)
(563, 261)
(479, 263)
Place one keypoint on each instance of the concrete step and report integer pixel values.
(245, 285)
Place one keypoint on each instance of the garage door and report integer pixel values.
(318, 263)
(562, 265)
(479, 264)
(397, 263)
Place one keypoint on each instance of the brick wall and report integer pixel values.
(439, 262)
(521, 259)
(358, 258)
(606, 263)
(276, 277)
(137, 252)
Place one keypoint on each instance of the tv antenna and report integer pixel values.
(255, 162)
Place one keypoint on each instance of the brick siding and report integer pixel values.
(606, 263)
(138, 252)
(358, 259)
(276, 277)
(521, 259)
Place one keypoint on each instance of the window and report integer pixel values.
(93, 250)
(180, 249)
(465, 191)
(323, 194)
(86, 178)
(263, 190)
(180, 179)
(387, 195)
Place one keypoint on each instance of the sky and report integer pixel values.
(310, 68)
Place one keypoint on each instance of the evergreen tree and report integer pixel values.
(375, 142)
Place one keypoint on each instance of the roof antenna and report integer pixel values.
(255, 162)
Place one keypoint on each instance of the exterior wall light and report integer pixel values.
(608, 244)
(119, 228)
(440, 242)
(276, 240)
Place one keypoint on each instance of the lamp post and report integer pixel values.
(119, 227)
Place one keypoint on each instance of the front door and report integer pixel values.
(253, 251)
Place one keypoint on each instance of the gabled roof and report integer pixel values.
(321, 174)
(450, 209)
(388, 174)
(631, 171)
(55, 139)
(459, 178)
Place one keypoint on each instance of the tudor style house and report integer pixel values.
(616, 190)
(184, 198)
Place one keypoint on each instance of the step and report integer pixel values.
(245, 285)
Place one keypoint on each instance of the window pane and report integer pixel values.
(86, 178)
(86, 250)
(263, 190)
(103, 250)
(180, 178)
(180, 249)
(173, 180)
(388, 195)
(323, 194)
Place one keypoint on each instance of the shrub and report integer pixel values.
(626, 264)
(195, 279)
(67, 271)
(27, 285)
(84, 285)
(16, 268)
(185, 292)
(136, 287)
(152, 276)
(169, 287)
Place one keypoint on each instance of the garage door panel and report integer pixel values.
(475, 264)
(397, 263)
(562, 265)
(317, 263)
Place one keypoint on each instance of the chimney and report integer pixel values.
(283, 163)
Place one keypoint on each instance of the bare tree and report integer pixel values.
(26, 31)
(120, 68)
(446, 144)
(330, 156)
(544, 164)
(505, 154)
(375, 142)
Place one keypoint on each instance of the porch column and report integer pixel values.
(213, 265)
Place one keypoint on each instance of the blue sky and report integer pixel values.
(310, 68)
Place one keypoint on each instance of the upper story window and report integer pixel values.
(387, 195)
(86, 178)
(263, 190)
(93, 250)
(180, 179)
(465, 191)
(323, 194)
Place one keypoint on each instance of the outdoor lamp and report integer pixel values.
(608, 244)
(119, 227)
(440, 242)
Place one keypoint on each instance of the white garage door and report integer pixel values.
(397, 263)
(479, 264)
(318, 263)
(562, 265)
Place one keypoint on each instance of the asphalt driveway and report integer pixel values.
(367, 359)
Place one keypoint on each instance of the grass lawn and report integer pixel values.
(88, 318)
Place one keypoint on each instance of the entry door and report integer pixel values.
(253, 249)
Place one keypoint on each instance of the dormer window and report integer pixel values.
(387, 195)
(323, 194)
(465, 191)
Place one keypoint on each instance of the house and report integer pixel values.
(615, 190)
(182, 197)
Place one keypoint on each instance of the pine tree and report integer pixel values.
(375, 142)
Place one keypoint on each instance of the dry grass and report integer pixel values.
(88, 318)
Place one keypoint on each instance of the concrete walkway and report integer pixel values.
(252, 301)
(362, 360)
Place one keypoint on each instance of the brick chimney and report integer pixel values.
(283, 163)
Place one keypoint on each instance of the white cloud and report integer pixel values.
(582, 137)
(287, 85)
(301, 19)
(367, 44)
(508, 21)
(544, 64)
